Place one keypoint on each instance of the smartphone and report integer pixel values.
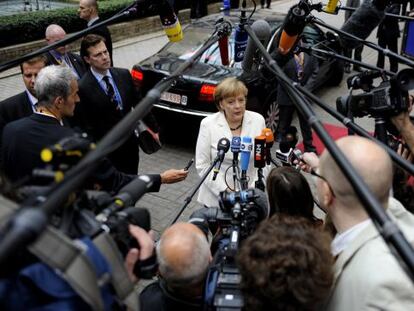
(189, 165)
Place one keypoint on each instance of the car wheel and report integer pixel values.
(271, 111)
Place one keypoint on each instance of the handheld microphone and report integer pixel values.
(259, 151)
(223, 146)
(170, 22)
(224, 28)
(73, 147)
(241, 36)
(363, 21)
(128, 195)
(331, 7)
(245, 149)
(293, 26)
(268, 134)
(262, 30)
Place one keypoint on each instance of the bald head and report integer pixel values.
(370, 161)
(184, 255)
(53, 34)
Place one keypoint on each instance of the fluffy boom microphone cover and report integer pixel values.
(362, 22)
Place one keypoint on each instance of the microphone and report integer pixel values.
(268, 134)
(224, 28)
(170, 22)
(331, 7)
(293, 26)
(241, 36)
(262, 30)
(288, 154)
(235, 147)
(245, 149)
(223, 146)
(128, 195)
(259, 151)
(363, 21)
(73, 147)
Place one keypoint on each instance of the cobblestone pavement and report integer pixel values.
(165, 204)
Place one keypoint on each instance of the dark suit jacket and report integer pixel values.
(75, 59)
(96, 115)
(309, 74)
(24, 139)
(14, 108)
(103, 31)
(389, 28)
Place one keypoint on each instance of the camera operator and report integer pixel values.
(404, 125)
(183, 254)
(292, 270)
(366, 271)
(39, 287)
(57, 91)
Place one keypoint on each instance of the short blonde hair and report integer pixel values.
(227, 88)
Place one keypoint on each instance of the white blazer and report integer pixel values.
(212, 128)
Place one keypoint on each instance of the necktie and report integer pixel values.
(111, 92)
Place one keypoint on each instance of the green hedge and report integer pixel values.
(31, 26)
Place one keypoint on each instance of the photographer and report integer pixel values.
(39, 287)
(292, 270)
(183, 255)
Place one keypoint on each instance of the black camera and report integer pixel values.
(387, 99)
(238, 216)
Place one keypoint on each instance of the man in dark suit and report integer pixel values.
(89, 11)
(106, 96)
(25, 138)
(301, 68)
(60, 56)
(22, 104)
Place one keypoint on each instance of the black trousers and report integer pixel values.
(285, 120)
(357, 53)
(392, 45)
(262, 2)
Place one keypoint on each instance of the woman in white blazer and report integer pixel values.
(232, 119)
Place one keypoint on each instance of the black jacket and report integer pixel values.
(75, 60)
(156, 297)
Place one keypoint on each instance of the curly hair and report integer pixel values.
(285, 265)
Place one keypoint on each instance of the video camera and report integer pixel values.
(238, 216)
(387, 99)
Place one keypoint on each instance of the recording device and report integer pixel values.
(240, 36)
(245, 149)
(293, 26)
(68, 150)
(170, 22)
(127, 196)
(268, 133)
(363, 21)
(189, 165)
(237, 218)
(259, 151)
(251, 56)
(223, 146)
(387, 99)
(224, 31)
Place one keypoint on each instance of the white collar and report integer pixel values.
(32, 99)
(92, 20)
(100, 76)
(343, 240)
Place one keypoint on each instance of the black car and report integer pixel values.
(192, 94)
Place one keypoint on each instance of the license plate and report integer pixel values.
(174, 98)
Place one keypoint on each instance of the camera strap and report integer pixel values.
(60, 253)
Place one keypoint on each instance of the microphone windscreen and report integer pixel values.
(284, 146)
(262, 30)
(235, 144)
(135, 189)
(245, 149)
(361, 23)
(261, 204)
(259, 152)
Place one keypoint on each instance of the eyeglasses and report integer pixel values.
(314, 173)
